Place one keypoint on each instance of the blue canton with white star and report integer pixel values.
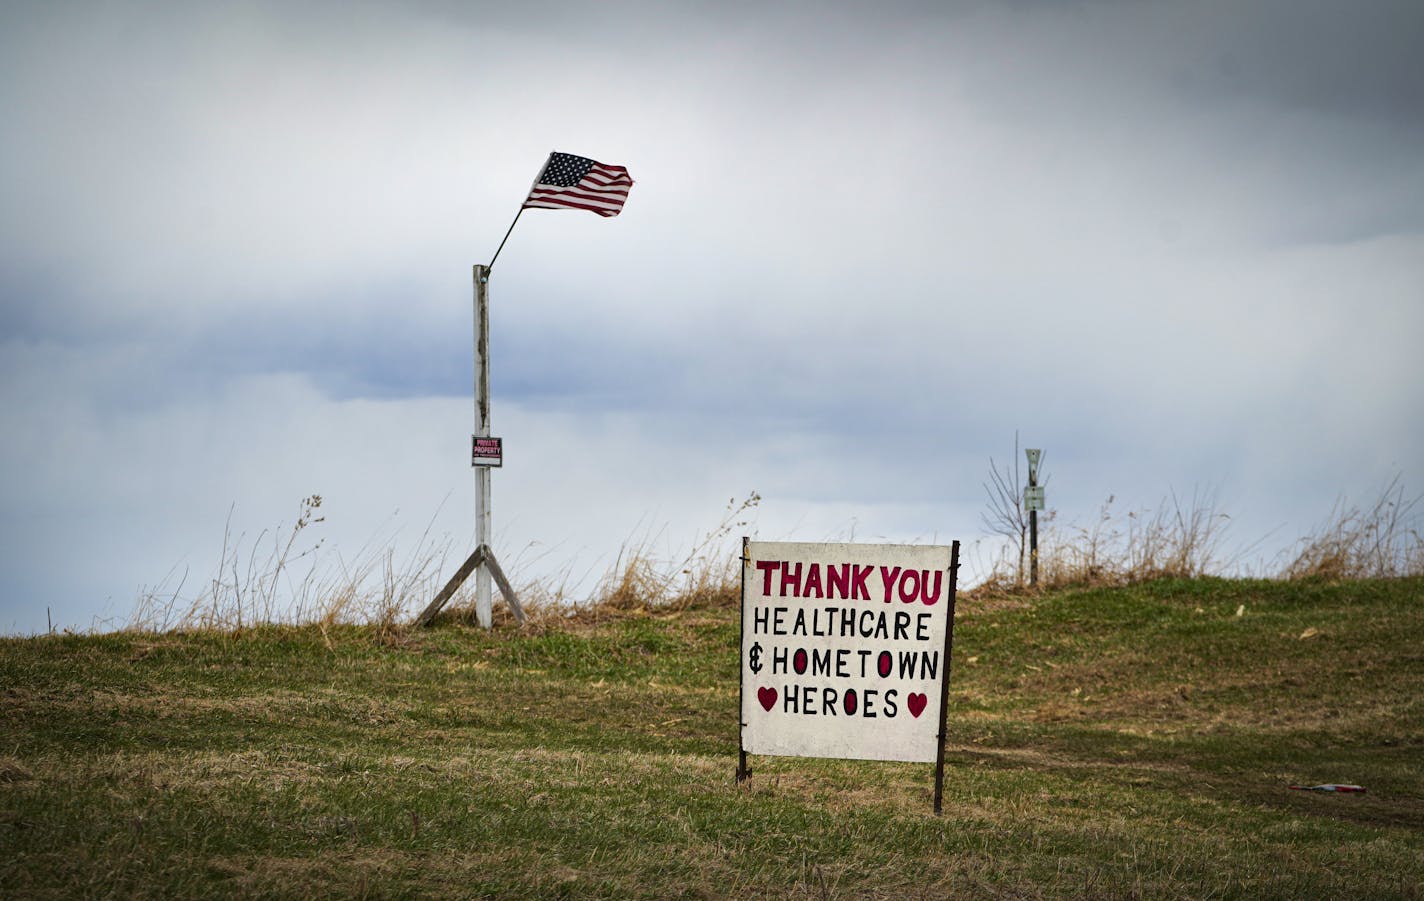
(565, 170)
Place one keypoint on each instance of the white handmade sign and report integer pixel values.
(845, 649)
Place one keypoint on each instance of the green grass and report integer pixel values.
(1130, 742)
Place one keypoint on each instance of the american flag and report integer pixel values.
(571, 182)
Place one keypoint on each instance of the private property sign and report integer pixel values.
(845, 650)
(486, 451)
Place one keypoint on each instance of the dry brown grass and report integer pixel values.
(1180, 539)
(278, 582)
(704, 575)
(1379, 541)
(282, 577)
(641, 582)
(1186, 538)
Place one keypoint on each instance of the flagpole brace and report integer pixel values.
(483, 556)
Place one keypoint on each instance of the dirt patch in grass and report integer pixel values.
(357, 875)
(11, 770)
(278, 706)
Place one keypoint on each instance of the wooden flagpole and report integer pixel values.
(484, 610)
(482, 563)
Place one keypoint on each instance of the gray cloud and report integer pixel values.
(1175, 244)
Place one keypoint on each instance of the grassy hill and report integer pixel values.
(1103, 743)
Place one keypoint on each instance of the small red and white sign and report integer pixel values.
(486, 451)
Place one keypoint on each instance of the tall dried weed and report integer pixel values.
(274, 581)
(1379, 541)
(1188, 539)
(277, 580)
(643, 578)
(1178, 539)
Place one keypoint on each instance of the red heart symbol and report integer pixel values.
(916, 703)
(767, 696)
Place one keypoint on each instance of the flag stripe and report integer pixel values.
(582, 187)
(609, 177)
(573, 204)
(537, 205)
(616, 197)
(576, 198)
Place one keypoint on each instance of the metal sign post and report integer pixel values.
(743, 771)
(1033, 500)
(944, 688)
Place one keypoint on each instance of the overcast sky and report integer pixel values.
(1179, 246)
